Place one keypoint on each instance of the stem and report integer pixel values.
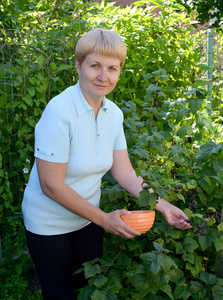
(114, 259)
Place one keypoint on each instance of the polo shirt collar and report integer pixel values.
(82, 105)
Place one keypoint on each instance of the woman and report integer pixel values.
(77, 140)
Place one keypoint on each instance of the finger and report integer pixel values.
(184, 216)
(182, 227)
(180, 224)
(187, 225)
(128, 236)
(124, 212)
(129, 232)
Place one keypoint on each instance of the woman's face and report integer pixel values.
(98, 76)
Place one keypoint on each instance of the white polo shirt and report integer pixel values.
(68, 133)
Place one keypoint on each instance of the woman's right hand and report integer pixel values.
(113, 223)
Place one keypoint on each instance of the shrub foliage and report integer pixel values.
(173, 144)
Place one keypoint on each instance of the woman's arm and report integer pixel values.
(52, 175)
(125, 175)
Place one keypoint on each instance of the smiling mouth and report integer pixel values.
(100, 86)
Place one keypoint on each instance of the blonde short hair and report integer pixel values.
(100, 41)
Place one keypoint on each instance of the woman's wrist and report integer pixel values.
(162, 205)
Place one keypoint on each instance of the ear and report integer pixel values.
(78, 66)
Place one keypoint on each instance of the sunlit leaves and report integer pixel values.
(171, 139)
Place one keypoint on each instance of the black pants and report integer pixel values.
(56, 257)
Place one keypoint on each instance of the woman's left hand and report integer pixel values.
(173, 215)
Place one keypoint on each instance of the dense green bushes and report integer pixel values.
(172, 143)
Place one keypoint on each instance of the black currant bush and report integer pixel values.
(173, 144)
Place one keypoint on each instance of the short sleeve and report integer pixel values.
(120, 141)
(52, 134)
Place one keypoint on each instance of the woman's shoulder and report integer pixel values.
(113, 106)
(63, 101)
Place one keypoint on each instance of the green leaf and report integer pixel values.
(210, 148)
(208, 171)
(110, 295)
(28, 100)
(147, 76)
(123, 261)
(181, 292)
(220, 227)
(152, 89)
(86, 292)
(159, 72)
(31, 91)
(207, 278)
(176, 275)
(190, 244)
(53, 66)
(166, 262)
(197, 267)
(146, 198)
(218, 164)
(158, 146)
(158, 247)
(40, 60)
(114, 193)
(140, 281)
(2, 101)
(163, 77)
(115, 283)
(181, 197)
(185, 130)
(99, 281)
(161, 279)
(207, 240)
(98, 295)
(205, 67)
(91, 269)
(64, 67)
(167, 290)
(188, 257)
(131, 124)
(203, 121)
(219, 243)
(182, 113)
(179, 248)
(200, 83)
(207, 184)
(190, 92)
(195, 287)
(195, 104)
(31, 122)
(217, 292)
(131, 105)
(150, 260)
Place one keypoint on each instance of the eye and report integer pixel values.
(113, 69)
(94, 66)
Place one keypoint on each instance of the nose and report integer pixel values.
(102, 76)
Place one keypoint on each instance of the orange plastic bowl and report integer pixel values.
(140, 220)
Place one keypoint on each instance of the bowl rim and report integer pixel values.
(139, 212)
(135, 212)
